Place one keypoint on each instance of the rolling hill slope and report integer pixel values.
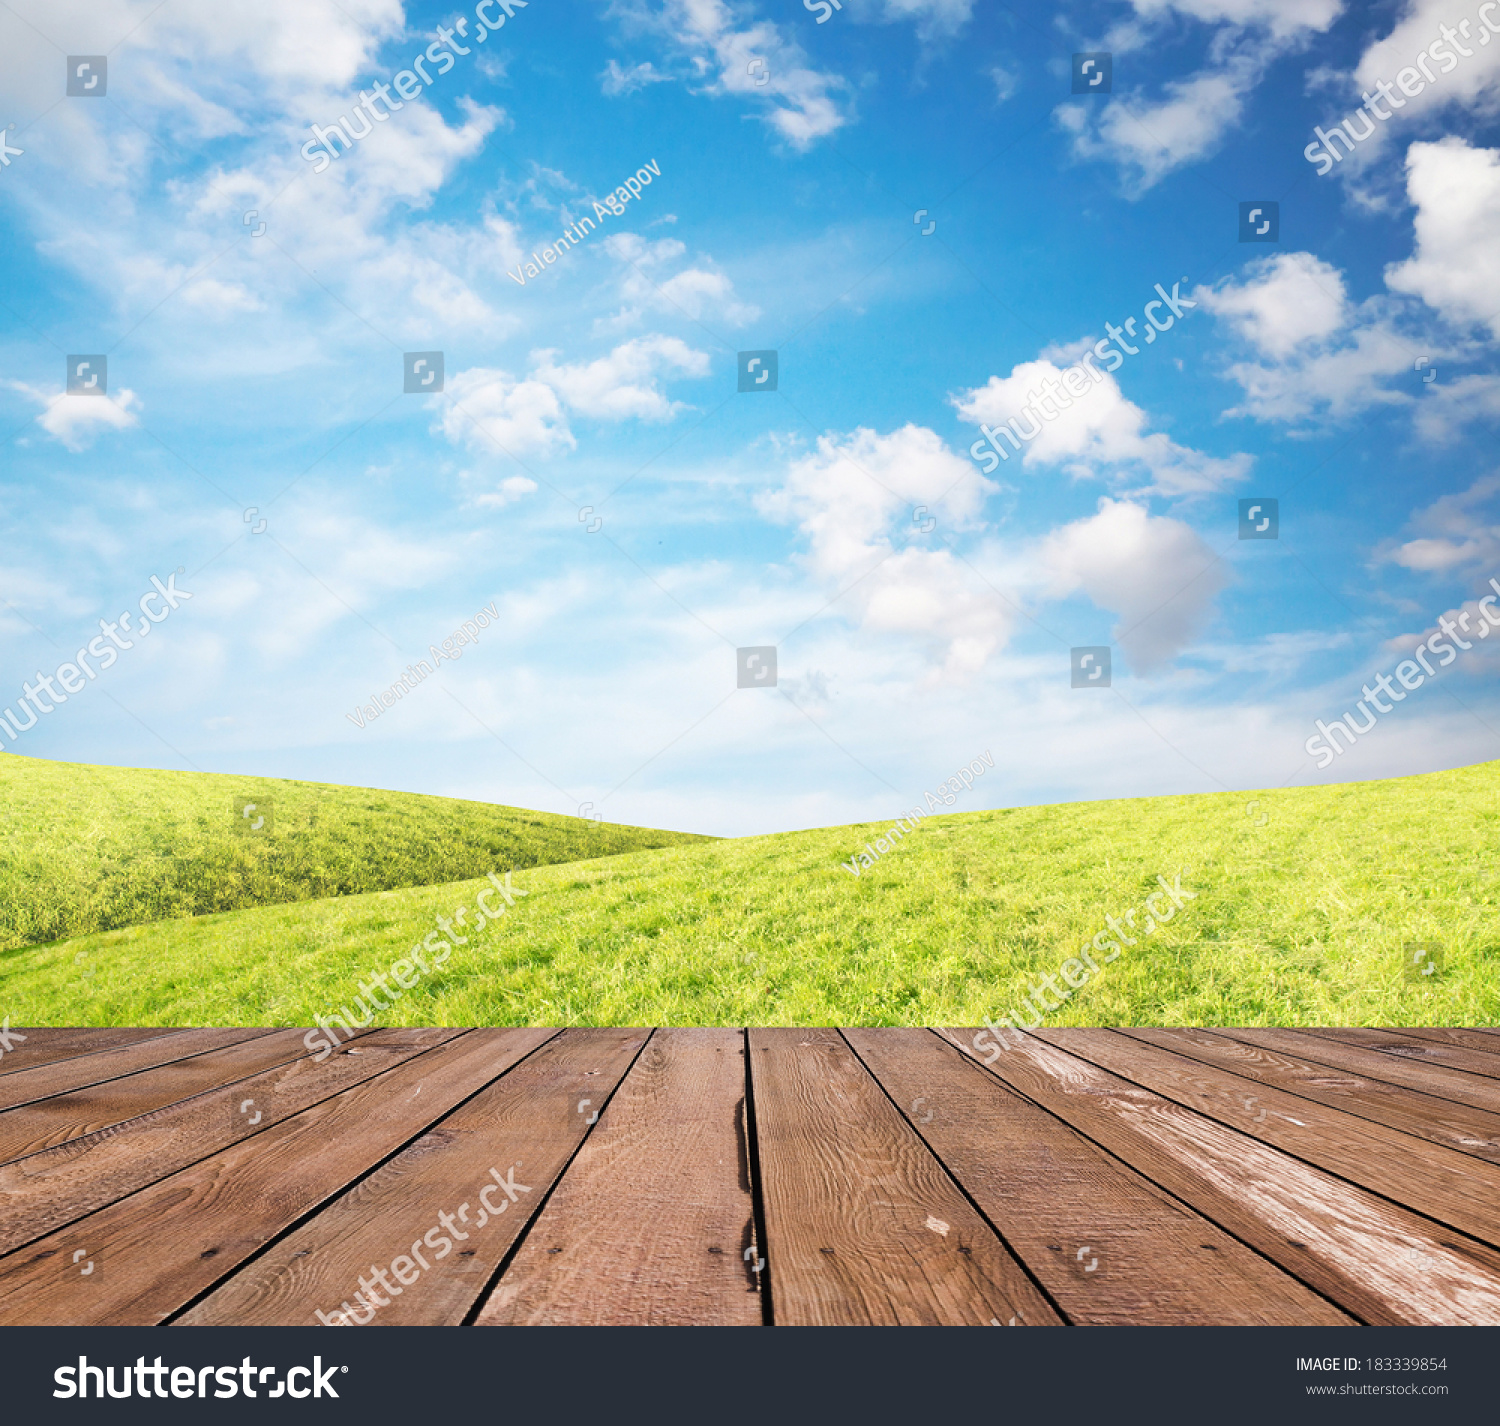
(1299, 907)
(86, 848)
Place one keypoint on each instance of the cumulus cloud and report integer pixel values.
(488, 410)
(648, 283)
(1097, 433)
(1318, 354)
(1286, 301)
(1456, 266)
(1148, 139)
(1459, 531)
(1156, 573)
(77, 421)
(622, 384)
(850, 494)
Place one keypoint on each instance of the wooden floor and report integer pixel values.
(751, 1177)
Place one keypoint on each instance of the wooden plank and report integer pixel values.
(1109, 1246)
(1484, 1041)
(863, 1224)
(1459, 1191)
(524, 1127)
(1378, 1260)
(652, 1222)
(1462, 1128)
(1444, 1083)
(47, 1045)
(71, 1116)
(223, 1210)
(1400, 1045)
(56, 1186)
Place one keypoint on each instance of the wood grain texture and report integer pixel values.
(528, 1121)
(1109, 1246)
(1377, 1260)
(863, 1225)
(68, 1116)
(46, 1046)
(26, 1086)
(1450, 1085)
(43, 1191)
(227, 1207)
(1451, 1187)
(1483, 1040)
(652, 1221)
(1403, 1045)
(1465, 1129)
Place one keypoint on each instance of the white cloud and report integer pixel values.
(1285, 301)
(487, 410)
(77, 421)
(1458, 531)
(1149, 139)
(615, 81)
(1473, 82)
(1320, 355)
(1097, 432)
(803, 102)
(695, 291)
(624, 383)
(847, 496)
(1156, 573)
(1456, 266)
(1283, 18)
(510, 490)
(1447, 406)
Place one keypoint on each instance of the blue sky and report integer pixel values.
(261, 369)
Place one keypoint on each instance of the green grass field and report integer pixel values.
(91, 848)
(1305, 911)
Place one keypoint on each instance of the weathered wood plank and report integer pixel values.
(1399, 1044)
(863, 1225)
(1377, 1260)
(224, 1209)
(1463, 1128)
(652, 1221)
(71, 1115)
(1109, 1245)
(48, 1189)
(1443, 1083)
(1457, 1190)
(521, 1130)
(48, 1045)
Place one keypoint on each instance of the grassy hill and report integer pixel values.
(87, 848)
(1306, 905)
